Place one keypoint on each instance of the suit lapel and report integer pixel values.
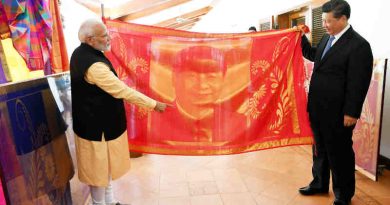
(339, 44)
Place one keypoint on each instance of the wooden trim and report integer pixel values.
(366, 173)
(318, 3)
(186, 27)
(188, 17)
(131, 9)
(94, 7)
(154, 8)
(177, 25)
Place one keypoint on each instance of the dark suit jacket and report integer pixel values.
(340, 80)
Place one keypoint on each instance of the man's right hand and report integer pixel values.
(303, 29)
(160, 107)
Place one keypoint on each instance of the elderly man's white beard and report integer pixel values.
(108, 48)
(103, 47)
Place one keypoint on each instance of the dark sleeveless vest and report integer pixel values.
(94, 111)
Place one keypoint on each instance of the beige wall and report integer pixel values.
(371, 20)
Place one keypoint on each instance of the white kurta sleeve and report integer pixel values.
(99, 74)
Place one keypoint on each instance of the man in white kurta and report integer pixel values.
(114, 153)
(100, 161)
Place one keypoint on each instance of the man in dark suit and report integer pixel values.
(341, 77)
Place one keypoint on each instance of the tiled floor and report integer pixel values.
(265, 177)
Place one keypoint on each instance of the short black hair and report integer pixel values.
(338, 7)
(252, 28)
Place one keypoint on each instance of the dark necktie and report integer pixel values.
(328, 45)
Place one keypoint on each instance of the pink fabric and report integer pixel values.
(2, 200)
(30, 24)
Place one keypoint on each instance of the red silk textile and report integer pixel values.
(230, 93)
(59, 56)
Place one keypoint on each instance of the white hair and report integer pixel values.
(87, 29)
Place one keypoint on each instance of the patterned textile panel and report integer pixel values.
(30, 25)
(34, 154)
(230, 93)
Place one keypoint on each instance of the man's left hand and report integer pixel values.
(349, 121)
